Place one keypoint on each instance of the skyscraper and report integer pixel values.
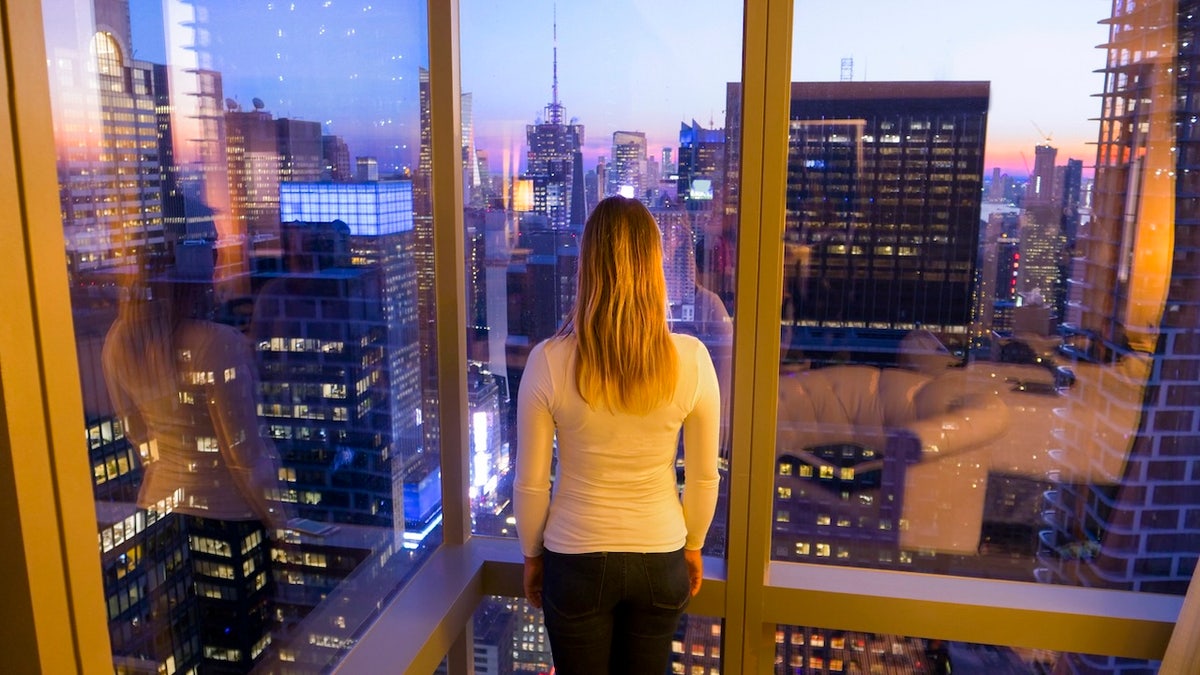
(336, 156)
(554, 162)
(379, 226)
(882, 226)
(255, 165)
(113, 153)
(701, 169)
(1138, 307)
(627, 174)
(263, 152)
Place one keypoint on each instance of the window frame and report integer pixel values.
(54, 582)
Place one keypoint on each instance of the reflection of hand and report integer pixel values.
(695, 565)
(533, 580)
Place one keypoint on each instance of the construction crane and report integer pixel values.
(1045, 136)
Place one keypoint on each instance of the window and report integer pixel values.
(254, 270)
(1084, 505)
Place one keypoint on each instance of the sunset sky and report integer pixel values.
(640, 66)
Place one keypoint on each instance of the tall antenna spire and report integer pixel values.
(555, 109)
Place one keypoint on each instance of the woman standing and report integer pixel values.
(613, 555)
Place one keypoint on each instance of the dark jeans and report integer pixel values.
(610, 613)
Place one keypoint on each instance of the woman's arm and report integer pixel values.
(701, 434)
(535, 448)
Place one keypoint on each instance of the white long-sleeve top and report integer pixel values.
(615, 488)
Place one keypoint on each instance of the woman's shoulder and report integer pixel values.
(557, 346)
(686, 344)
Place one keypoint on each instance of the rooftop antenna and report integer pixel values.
(555, 109)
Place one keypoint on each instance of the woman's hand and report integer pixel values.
(695, 565)
(533, 581)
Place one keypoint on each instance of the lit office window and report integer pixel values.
(246, 262)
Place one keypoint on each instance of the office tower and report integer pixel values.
(301, 150)
(540, 283)
(264, 152)
(1041, 189)
(255, 165)
(668, 166)
(424, 260)
(379, 221)
(335, 155)
(999, 270)
(109, 147)
(701, 165)
(487, 185)
(366, 169)
(474, 193)
(995, 189)
(1043, 244)
(1071, 186)
(195, 107)
(627, 175)
(679, 263)
(321, 336)
(882, 223)
(602, 169)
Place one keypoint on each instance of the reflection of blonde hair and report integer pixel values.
(626, 360)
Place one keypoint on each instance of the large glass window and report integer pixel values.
(610, 99)
(987, 343)
(589, 118)
(247, 225)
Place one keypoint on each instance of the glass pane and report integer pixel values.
(244, 247)
(823, 651)
(588, 119)
(988, 363)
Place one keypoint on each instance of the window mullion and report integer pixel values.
(56, 579)
(765, 90)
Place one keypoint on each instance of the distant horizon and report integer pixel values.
(629, 66)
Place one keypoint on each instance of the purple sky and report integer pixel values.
(640, 66)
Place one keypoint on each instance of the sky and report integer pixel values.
(644, 65)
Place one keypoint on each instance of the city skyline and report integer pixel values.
(288, 56)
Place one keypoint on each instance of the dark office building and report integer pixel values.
(322, 339)
(884, 182)
(336, 156)
(378, 237)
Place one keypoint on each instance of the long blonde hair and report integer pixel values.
(626, 360)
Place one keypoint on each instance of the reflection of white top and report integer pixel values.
(200, 424)
(615, 488)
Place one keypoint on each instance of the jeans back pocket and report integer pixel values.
(667, 578)
(572, 584)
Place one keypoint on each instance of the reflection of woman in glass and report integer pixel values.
(187, 386)
(614, 555)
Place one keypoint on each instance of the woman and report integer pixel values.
(188, 388)
(614, 555)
